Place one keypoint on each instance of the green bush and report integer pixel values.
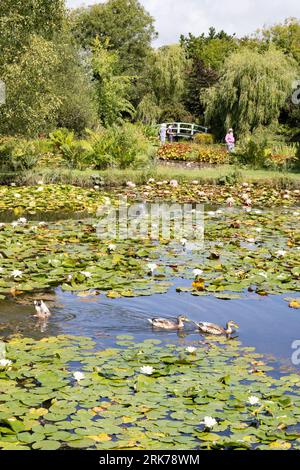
(120, 147)
(261, 150)
(17, 154)
(204, 139)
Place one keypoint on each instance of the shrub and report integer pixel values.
(177, 151)
(213, 154)
(19, 154)
(120, 147)
(261, 150)
(204, 138)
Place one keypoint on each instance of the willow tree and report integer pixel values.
(251, 92)
(165, 81)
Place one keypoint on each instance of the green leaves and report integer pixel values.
(119, 407)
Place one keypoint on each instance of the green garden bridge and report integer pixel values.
(185, 129)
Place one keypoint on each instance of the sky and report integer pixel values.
(176, 17)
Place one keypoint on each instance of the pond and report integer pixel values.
(265, 323)
(103, 378)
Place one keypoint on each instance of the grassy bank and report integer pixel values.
(115, 177)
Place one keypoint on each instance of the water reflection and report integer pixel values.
(266, 323)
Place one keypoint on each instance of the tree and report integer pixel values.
(122, 25)
(46, 82)
(32, 101)
(206, 56)
(112, 88)
(164, 81)
(19, 19)
(78, 109)
(251, 92)
(284, 36)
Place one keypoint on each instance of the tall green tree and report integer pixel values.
(32, 100)
(164, 84)
(112, 87)
(285, 36)
(123, 25)
(19, 19)
(206, 54)
(251, 92)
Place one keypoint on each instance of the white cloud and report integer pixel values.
(174, 17)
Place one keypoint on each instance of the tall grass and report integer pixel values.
(118, 177)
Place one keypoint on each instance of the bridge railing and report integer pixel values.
(186, 129)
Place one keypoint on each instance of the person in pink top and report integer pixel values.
(230, 141)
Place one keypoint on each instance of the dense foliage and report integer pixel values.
(96, 66)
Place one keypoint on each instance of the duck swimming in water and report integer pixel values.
(42, 311)
(168, 324)
(213, 329)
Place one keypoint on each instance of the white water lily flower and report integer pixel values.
(111, 247)
(22, 220)
(183, 241)
(191, 349)
(40, 182)
(253, 400)
(209, 422)
(197, 272)
(130, 184)
(262, 274)
(42, 224)
(87, 274)
(258, 229)
(195, 182)
(78, 376)
(13, 184)
(96, 187)
(5, 362)
(2, 225)
(17, 195)
(211, 213)
(151, 180)
(251, 240)
(296, 214)
(40, 188)
(152, 267)
(148, 370)
(14, 224)
(16, 273)
(280, 253)
(174, 183)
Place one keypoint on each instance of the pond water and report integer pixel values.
(103, 378)
(265, 322)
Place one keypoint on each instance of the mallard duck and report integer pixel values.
(168, 324)
(213, 329)
(42, 311)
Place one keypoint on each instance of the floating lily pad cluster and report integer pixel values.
(46, 198)
(255, 250)
(60, 393)
(263, 195)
